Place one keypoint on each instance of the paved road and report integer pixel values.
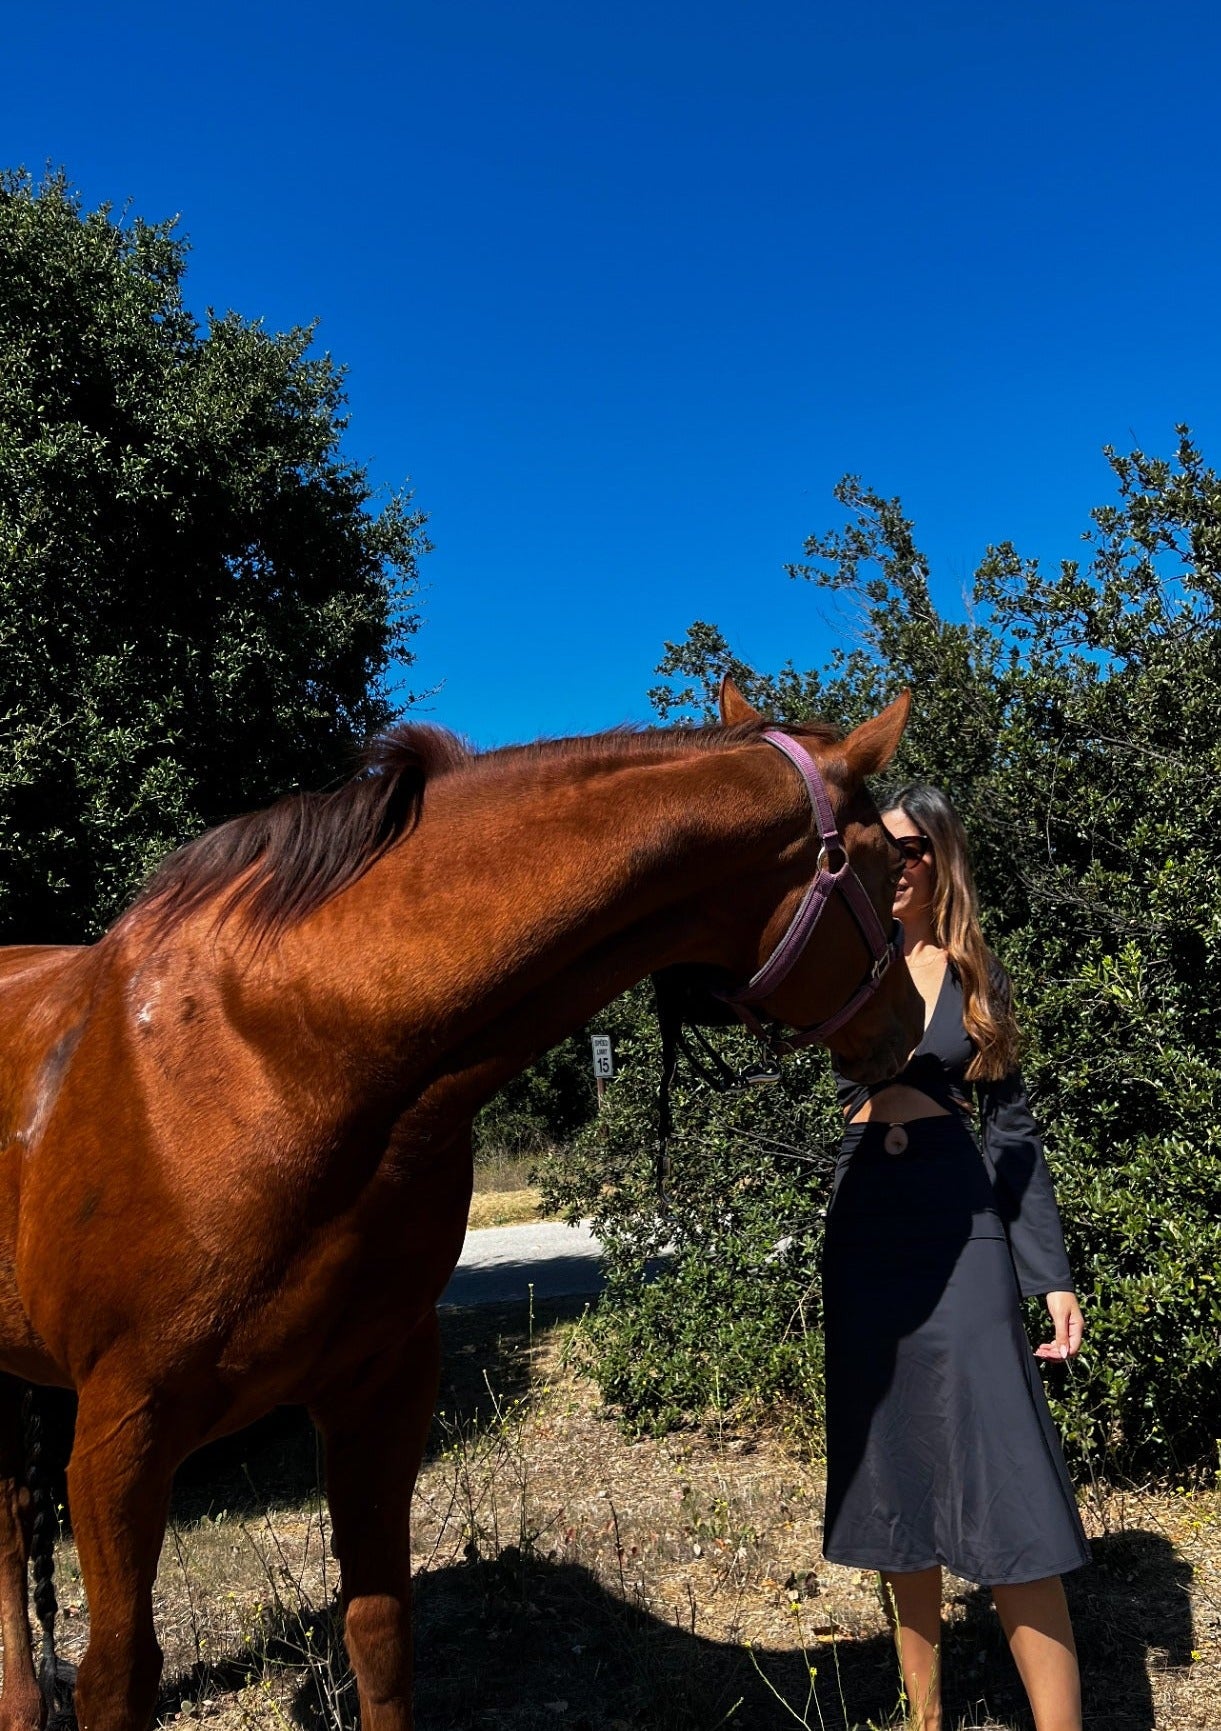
(499, 1264)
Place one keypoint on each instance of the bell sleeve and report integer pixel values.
(1026, 1201)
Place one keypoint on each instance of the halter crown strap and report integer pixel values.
(834, 873)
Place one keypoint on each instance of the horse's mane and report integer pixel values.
(656, 741)
(281, 864)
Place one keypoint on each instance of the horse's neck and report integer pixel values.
(532, 894)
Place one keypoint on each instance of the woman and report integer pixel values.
(941, 1449)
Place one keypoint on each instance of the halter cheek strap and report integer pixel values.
(834, 874)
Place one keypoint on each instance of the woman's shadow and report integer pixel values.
(1131, 1610)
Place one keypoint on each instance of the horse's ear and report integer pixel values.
(734, 707)
(870, 747)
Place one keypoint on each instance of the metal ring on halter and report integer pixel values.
(824, 860)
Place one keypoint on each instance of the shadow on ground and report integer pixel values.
(1130, 1609)
(519, 1643)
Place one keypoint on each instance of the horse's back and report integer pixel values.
(42, 988)
(16, 959)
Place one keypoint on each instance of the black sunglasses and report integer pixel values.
(911, 848)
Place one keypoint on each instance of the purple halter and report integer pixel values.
(834, 873)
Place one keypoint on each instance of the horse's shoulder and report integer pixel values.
(45, 993)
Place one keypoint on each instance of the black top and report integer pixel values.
(1010, 1140)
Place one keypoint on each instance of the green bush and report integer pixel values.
(712, 1304)
(201, 595)
(1076, 721)
(1134, 1139)
(545, 1106)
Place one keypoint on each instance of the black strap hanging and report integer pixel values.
(682, 1003)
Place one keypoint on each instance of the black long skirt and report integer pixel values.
(940, 1445)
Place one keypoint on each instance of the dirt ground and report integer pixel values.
(567, 1576)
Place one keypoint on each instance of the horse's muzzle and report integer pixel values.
(881, 1064)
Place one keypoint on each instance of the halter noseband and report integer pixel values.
(834, 873)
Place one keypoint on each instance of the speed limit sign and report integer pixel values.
(604, 1064)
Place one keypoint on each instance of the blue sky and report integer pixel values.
(625, 290)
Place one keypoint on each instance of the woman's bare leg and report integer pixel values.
(913, 1603)
(1036, 1622)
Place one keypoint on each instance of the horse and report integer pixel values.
(236, 1130)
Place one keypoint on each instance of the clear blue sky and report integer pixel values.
(626, 289)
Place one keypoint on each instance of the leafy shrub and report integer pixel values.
(200, 594)
(1076, 721)
(543, 1107)
(712, 1303)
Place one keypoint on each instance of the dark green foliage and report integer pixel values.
(712, 1302)
(1077, 723)
(197, 605)
(544, 1106)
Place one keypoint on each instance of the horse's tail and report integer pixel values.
(44, 1530)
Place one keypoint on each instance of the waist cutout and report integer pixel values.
(936, 1185)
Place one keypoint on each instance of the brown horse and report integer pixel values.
(236, 1130)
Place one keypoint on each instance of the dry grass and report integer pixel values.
(504, 1194)
(504, 1208)
(500, 1171)
(569, 1577)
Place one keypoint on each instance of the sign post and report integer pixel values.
(604, 1063)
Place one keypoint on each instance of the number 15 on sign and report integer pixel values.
(604, 1063)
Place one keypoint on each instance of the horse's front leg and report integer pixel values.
(375, 1429)
(21, 1704)
(119, 1481)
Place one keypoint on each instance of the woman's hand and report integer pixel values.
(1065, 1312)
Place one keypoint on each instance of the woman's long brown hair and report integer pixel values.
(987, 1012)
